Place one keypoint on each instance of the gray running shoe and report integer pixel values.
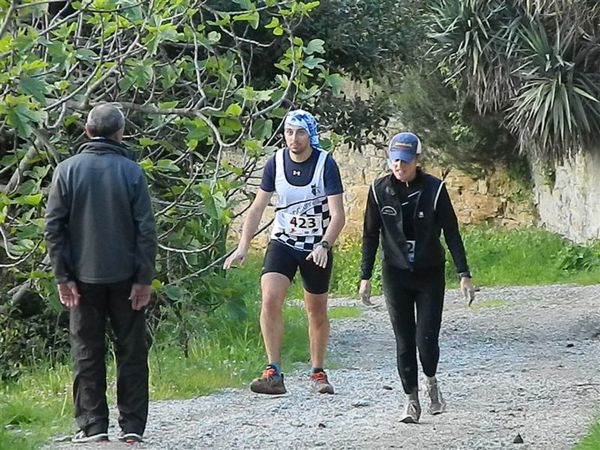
(438, 405)
(321, 383)
(81, 437)
(130, 438)
(412, 412)
(268, 383)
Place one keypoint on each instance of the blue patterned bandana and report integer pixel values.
(305, 120)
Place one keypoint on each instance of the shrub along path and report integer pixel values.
(522, 363)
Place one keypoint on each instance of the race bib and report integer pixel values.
(297, 225)
(410, 247)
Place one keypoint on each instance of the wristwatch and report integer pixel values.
(326, 245)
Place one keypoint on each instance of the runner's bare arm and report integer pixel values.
(338, 217)
(250, 226)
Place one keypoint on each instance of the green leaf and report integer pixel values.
(311, 62)
(32, 200)
(214, 37)
(34, 86)
(198, 130)
(166, 165)
(245, 4)
(146, 142)
(249, 94)
(234, 110)
(274, 23)
(336, 82)
(62, 85)
(85, 54)
(168, 76)
(6, 44)
(229, 126)
(252, 18)
(173, 292)
(58, 52)
(253, 147)
(141, 73)
(146, 164)
(262, 129)
(315, 46)
(21, 117)
(168, 105)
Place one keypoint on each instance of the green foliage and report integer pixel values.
(592, 440)
(201, 111)
(345, 278)
(29, 336)
(224, 352)
(514, 57)
(346, 269)
(455, 134)
(343, 312)
(371, 46)
(364, 39)
(36, 407)
(493, 303)
(578, 258)
(521, 257)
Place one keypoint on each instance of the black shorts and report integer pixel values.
(283, 259)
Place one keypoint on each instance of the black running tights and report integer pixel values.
(403, 290)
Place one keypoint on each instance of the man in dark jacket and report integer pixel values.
(101, 238)
(409, 209)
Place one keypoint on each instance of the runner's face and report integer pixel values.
(297, 139)
(404, 171)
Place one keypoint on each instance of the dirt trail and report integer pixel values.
(524, 362)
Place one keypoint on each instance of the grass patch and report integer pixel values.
(226, 349)
(36, 407)
(528, 256)
(592, 440)
(492, 303)
(228, 356)
(343, 312)
(497, 257)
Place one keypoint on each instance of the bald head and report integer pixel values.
(105, 120)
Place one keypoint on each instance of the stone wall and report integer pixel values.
(494, 200)
(568, 198)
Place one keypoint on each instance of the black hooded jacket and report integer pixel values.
(432, 214)
(99, 221)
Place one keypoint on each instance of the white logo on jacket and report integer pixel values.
(388, 211)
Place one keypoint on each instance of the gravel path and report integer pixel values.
(523, 362)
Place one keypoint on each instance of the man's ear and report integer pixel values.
(118, 135)
(87, 132)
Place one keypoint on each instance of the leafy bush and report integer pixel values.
(201, 112)
(346, 269)
(577, 258)
(447, 122)
(514, 57)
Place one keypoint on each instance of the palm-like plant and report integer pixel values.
(537, 61)
(557, 108)
(473, 40)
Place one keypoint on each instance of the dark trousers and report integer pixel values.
(88, 334)
(405, 289)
